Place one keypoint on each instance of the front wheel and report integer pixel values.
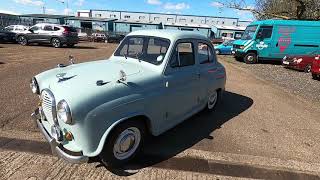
(218, 52)
(123, 144)
(56, 42)
(251, 58)
(23, 40)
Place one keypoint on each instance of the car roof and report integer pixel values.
(172, 35)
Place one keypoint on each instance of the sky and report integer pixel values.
(192, 7)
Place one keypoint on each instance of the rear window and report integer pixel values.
(70, 29)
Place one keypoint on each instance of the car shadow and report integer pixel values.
(63, 47)
(187, 134)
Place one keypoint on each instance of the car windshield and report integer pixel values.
(249, 33)
(144, 48)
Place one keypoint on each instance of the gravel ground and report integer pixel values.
(295, 82)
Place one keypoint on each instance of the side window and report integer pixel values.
(204, 53)
(265, 32)
(34, 28)
(48, 28)
(183, 55)
(56, 28)
(10, 28)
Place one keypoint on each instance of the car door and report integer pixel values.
(46, 33)
(33, 34)
(264, 45)
(207, 63)
(181, 81)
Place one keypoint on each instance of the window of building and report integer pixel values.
(127, 17)
(205, 54)
(170, 19)
(183, 55)
(222, 22)
(234, 23)
(182, 20)
(98, 15)
(113, 15)
(217, 22)
(191, 20)
(156, 18)
(141, 17)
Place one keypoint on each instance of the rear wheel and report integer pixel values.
(123, 144)
(23, 40)
(315, 76)
(213, 100)
(56, 42)
(251, 58)
(307, 69)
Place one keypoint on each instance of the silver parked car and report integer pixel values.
(56, 35)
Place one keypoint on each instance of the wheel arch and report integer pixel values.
(136, 116)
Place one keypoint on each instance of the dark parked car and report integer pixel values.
(300, 62)
(114, 37)
(56, 35)
(7, 36)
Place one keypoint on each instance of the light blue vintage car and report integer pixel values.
(153, 81)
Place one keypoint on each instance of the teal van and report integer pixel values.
(274, 39)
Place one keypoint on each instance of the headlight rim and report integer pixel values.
(62, 104)
(34, 83)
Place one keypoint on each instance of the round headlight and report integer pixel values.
(34, 86)
(63, 112)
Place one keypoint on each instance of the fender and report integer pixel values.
(106, 134)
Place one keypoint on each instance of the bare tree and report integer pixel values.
(283, 9)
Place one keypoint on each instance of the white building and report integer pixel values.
(163, 18)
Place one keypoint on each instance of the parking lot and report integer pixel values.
(267, 125)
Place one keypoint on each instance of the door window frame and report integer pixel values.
(168, 69)
(214, 59)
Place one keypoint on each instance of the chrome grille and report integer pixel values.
(49, 106)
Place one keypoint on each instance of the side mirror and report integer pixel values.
(31, 30)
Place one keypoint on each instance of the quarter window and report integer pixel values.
(204, 53)
(183, 55)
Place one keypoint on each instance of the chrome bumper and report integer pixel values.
(56, 150)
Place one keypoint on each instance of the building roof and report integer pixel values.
(90, 19)
(191, 25)
(44, 16)
(239, 28)
(164, 13)
(172, 35)
(137, 22)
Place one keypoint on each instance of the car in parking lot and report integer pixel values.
(154, 80)
(7, 36)
(300, 62)
(16, 28)
(114, 37)
(97, 37)
(54, 34)
(315, 69)
(224, 48)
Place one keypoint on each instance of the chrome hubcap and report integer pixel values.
(212, 100)
(127, 143)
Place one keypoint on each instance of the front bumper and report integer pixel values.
(238, 53)
(56, 147)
